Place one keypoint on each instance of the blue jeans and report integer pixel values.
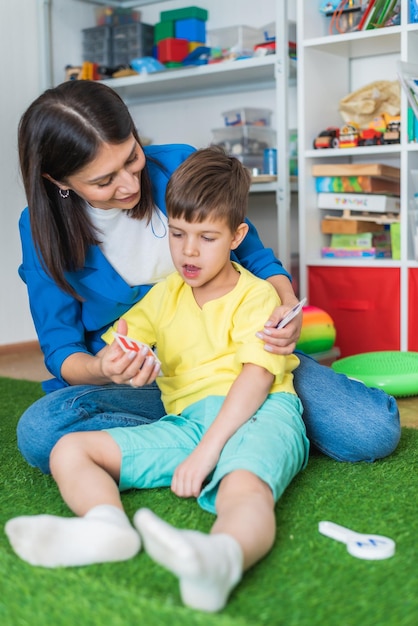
(344, 419)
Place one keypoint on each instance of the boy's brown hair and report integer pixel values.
(209, 184)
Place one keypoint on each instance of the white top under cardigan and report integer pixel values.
(138, 252)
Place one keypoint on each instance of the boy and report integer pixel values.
(233, 436)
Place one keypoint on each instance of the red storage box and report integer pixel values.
(364, 303)
(413, 311)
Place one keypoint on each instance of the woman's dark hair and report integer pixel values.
(209, 183)
(59, 134)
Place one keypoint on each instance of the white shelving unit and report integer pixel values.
(369, 300)
(272, 72)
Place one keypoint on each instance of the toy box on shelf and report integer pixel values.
(247, 135)
(235, 40)
(250, 116)
(113, 16)
(246, 142)
(112, 46)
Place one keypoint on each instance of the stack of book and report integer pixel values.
(376, 245)
(363, 200)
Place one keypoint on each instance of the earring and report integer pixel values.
(64, 193)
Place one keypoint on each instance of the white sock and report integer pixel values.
(103, 534)
(208, 566)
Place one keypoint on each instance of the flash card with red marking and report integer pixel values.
(132, 345)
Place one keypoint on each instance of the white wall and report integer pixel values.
(24, 77)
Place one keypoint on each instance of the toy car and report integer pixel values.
(328, 138)
(392, 133)
(349, 136)
(370, 137)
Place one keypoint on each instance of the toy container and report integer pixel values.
(253, 162)
(235, 38)
(250, 116)
(131, 41)
(245, 140)
(112, 17)
(97, 45)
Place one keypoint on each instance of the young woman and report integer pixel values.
(95, 239)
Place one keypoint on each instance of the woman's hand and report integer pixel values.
(110, 364)
(283, 340)
(133, 368)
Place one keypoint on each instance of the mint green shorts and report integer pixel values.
(272, 445)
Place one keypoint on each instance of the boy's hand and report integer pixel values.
(189, 476)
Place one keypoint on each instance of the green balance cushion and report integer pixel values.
(393, 371)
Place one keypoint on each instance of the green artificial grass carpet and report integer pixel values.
(307, 579)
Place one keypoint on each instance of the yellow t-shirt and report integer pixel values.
(202, 350)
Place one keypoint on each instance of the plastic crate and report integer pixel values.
(235, 38)
(97, 45)
(131, 41)
(244, 140)
(249, 116)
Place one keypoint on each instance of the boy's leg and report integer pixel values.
(210, 566)
(86, 468)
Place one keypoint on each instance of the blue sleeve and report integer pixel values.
(259, 260)
(56, 315)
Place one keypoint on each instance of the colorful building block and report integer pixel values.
(163, 30)
(184, 14)
(194, 44)
(190, 29)
(172, 50)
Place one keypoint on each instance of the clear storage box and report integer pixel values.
(235, 38)
(250, 116)
(244, 140)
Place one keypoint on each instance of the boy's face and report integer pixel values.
(201, 250)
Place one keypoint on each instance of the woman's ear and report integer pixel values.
(239, 235)
(55, 182)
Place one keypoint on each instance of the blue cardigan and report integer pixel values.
(65, 325)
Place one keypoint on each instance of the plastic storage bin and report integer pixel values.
(250, 116)
(245, 140)
(97, 45)
(235, 38)
(366, 317)
(131, 41)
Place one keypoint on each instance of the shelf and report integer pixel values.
(331, 66)
(360, 44)
(122, 4)
(197, 81)
(389, 149)
(351, 262)
(273, 72)
(271, 187)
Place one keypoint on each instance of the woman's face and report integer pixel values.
(112, 179)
